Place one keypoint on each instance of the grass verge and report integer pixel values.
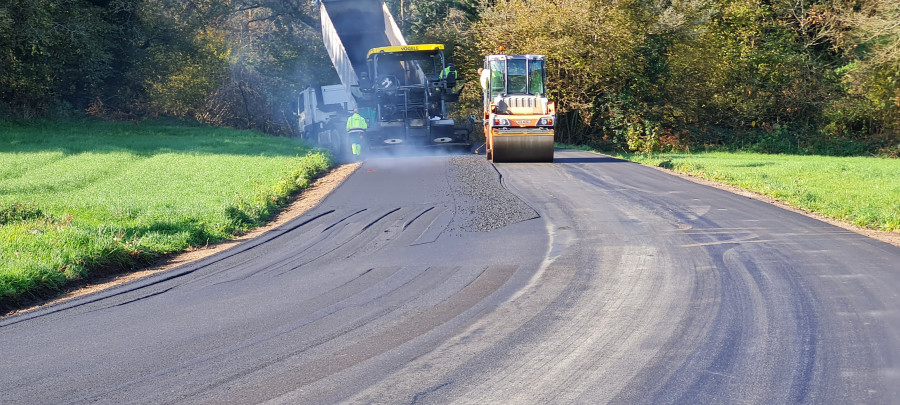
(82, 199)
(864, 191)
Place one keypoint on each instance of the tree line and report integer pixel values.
(770, 75)
(232, 63)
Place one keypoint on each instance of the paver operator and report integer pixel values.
(449, 73)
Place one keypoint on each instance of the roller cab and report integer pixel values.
(519, 119)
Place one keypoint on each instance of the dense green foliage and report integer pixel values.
(780, 76)
(860, 190)
(809, 76)
(80, 198)
(227, 63)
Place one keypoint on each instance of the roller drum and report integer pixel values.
(522, 148)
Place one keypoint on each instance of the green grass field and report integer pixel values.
(864, 191)
(76, 199)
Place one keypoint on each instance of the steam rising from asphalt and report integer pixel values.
(359, 26)
(391, 155)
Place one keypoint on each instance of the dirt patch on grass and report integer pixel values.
(305, 201)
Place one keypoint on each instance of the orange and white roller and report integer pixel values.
(519, 120)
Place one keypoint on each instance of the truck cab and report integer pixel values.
(321, 110)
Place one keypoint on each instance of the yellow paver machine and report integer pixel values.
(519, 119)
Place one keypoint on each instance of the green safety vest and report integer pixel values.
(446, 73)
(356, 122)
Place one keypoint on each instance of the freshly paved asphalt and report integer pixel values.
(627, 285)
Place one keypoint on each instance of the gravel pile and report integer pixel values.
(483, 204)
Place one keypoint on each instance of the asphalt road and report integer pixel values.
(424, 280)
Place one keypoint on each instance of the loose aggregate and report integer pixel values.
(489, 205)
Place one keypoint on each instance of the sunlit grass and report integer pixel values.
(81, 197)
(864, 191)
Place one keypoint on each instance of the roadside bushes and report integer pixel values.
(780, 77)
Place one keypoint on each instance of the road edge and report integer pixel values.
(302, 203)
(891, 238)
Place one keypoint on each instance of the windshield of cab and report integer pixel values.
(522, 76)
(407, 68)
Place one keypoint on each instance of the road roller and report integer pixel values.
(519, 119)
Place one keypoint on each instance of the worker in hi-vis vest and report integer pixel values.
(356, 128)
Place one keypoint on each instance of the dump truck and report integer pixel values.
(396, 86)
(519, 120)
(322, 115)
